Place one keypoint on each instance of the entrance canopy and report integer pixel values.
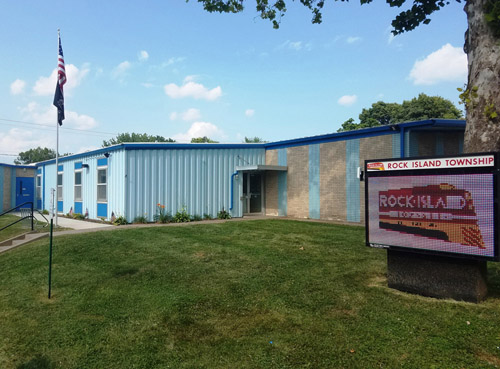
(261, 168)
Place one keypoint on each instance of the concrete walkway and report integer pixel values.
(73, 223)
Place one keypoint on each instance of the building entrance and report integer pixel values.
(252, 193)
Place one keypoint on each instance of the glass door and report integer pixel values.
(252, 193)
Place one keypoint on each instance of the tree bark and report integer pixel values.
(482, 132)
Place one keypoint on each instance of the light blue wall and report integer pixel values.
(396, 145)
(115, 188)
(314, 194)
(352, 181)
(282, 184)
(199, 179)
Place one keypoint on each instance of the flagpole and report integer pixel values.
(57, 138)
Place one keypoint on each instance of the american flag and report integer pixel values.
(61, 80)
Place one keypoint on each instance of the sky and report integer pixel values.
(169, 68)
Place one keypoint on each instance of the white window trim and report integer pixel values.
(60, 185)
(37, 187)
(102, 184)
(80, 185)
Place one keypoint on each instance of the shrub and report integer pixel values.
(223, 214)
(140, 219)
(161, 215)
(207, 217)
(196, 218)
(121, 220)
(182, 216)
(45, 212)
(79, 216)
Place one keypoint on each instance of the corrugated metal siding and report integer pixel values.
(352, 182)
(314, 203)
(115, 189)
(198, 179)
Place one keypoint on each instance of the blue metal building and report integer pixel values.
(312, 177)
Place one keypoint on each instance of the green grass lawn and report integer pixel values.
(256, 294)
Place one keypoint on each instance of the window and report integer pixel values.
(60, 186)
(102, 184)
(39, 187)
(78, 185)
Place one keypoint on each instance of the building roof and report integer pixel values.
(449, 124)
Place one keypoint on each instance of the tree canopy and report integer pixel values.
(35, 155)
(274, 10)
(253, 140)
(418, 108)
(203, 139)
(135, 137)
(481, 95)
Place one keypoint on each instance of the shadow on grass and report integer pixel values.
(38, 362)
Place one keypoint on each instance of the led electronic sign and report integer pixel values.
(440, 205)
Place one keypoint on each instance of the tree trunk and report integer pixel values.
(483, 52)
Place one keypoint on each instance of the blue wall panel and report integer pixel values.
(314, 195)
(78, 207)
(282, 184)
(353, 201)
(439, 144)
(396, 146)
(102, 210)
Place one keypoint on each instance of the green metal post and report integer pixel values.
(32, 216)
(50, 255)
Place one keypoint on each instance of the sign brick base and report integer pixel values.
(437, 276)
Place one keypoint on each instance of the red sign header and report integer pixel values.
(438, 163)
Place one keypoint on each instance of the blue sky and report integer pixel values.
(169, 68)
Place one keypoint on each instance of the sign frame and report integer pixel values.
(462, 164)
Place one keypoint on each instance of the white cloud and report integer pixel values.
(448, 64)
(390, 38)
(192, 89)
(171, 61)
(294, 45)
(352, 39)
(120, 71)
(17, 87)
(45, 86)
(47, 115)
(189, 115)
(249, 112)
(143, 55)
(347, 100)
(16, 140)
(147, 84)
(199, 129)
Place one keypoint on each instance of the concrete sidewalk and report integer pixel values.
(73, 223)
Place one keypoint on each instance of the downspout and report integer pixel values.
(232, 188)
